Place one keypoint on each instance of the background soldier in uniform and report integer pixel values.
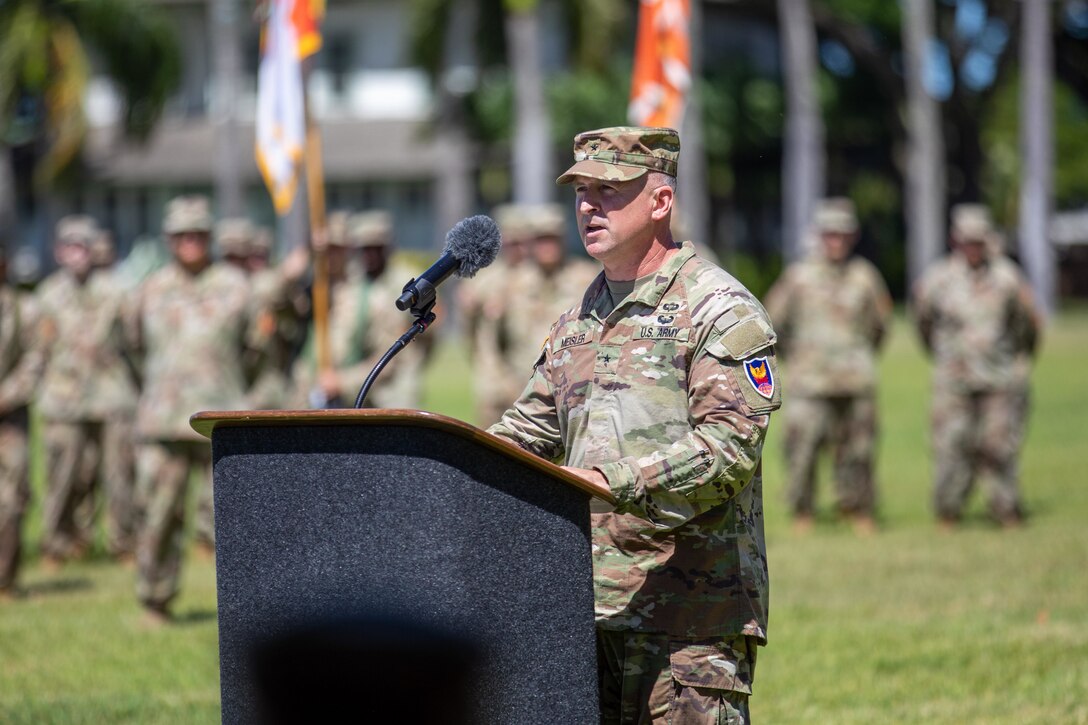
(86, 396)
(538, 291)
(187, 319)
(831, 312)
(977, 319)
(21, 364)
(398, 385)
(659, 384)
(482, 300)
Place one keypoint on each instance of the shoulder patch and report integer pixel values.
(760, 376)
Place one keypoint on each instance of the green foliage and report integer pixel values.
(43, 54)
(1001, 142)
(579, 100)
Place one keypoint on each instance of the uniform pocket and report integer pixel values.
(712, 667)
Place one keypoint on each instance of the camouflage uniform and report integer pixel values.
(667, 394)
(87, 398)
(831, 318)
(21, 364)
(980, 326)
(191, 330)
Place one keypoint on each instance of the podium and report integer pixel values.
(368, 559)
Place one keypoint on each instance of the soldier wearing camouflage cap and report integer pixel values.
(483, 301)
(85, 395)
(347, 318)
(658, 383)
(234, 239)
(187, 325)
(831, 311)
(977, 319)
(21, 363)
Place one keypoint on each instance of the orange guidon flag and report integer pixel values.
(290, 34)
(662, 72)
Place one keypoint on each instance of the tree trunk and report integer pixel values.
(533, 176)
(1037, 150)
(803, 159)
(924, 204)
(7, 198)
(693, 196)
(453, 184)
(226, 44)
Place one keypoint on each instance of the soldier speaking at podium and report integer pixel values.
(659, 383)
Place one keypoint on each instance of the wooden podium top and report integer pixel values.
(206, 422)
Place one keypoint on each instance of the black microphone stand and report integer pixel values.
(424, 315)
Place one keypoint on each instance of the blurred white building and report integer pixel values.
(373, 107)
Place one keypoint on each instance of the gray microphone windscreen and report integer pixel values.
(474, 242)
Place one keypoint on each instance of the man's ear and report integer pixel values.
(661, 207)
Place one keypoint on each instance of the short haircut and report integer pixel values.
(659, 178)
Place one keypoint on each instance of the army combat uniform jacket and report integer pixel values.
(668, 395)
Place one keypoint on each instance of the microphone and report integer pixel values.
(471, 245)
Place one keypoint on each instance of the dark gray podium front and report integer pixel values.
(402, 552)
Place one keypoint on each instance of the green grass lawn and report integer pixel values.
(979, 626)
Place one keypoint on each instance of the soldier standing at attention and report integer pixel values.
(347, 325)
(86, 396)
(977, 320)
(831, 312)
(482, 302)
(659, 383)
(539, 291)
(188, 320)
(399, 385)
(20, 368)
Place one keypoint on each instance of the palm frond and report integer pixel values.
(65, 123)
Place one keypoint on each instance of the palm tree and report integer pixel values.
(1037, 147)
(924, 200)
(45, 66)
(803, 159)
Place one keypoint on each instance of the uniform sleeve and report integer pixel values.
(18, 385)
(1024, 322)
(925, 313)
(778, 303)
(732, 390)
(881, 310)
(532, 423)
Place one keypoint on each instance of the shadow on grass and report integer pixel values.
(65, 585)
(195, 616)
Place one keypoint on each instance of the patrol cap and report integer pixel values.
(546, 220)
(261, 242)
(76, 229)
(836, 216)
(234, 235)
(370, 229)
(972, 223)
(187, 214)
(336, 226)
(513, 221)
(622, 153)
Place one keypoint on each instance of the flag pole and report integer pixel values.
(315, 188)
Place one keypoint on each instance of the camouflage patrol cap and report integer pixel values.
(622, 153)
(513, 221)
(546, 220)
(187, 214)
(76, 229)
(234, 236)
(971, 223)
(836, 216)
(336, 226)
(370, 229)
(261, 243)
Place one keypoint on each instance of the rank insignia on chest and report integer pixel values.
(759, 375)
